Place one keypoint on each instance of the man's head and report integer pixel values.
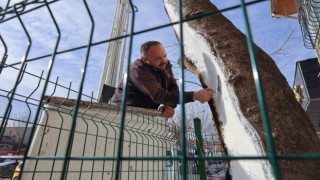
(154, 54)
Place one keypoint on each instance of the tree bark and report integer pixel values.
(292, 130)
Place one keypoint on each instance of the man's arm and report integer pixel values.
(147, 83)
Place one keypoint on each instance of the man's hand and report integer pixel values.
(203, 95)
(167, 111)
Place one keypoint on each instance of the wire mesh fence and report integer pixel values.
(76, 136)
(151, 144)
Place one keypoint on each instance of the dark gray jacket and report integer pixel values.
(149, 87)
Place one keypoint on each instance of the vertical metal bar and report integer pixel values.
(7, 111)
(262, 103)
(199, 141)
(129, 155)
(4, 58)
(156, 148)
(45, 126)
(76, 109)
(147, 146)
(10, 105)
(136, 150)
(106, 143)
(2, 15)
(114, 138)
(143, 152)
(183, 153)
(41, 142)
(18, 80)
(60, 128)
(124, 97)
(28, 106)
(3, 63)
(114, 164)
(105, 149)
(96, 140)
(85, 137)
(45, 84)
(54, 89)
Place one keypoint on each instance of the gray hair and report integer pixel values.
(145, 46)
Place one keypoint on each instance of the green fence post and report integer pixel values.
(271, 149)
(199, 141)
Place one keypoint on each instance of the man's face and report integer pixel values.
(156, 57)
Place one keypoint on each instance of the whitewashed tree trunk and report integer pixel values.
(217, 52)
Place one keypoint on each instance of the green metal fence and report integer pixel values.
(78, 137)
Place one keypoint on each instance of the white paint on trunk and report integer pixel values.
(240, 137)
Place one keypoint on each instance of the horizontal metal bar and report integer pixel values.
(282, 157)
(21, 13)
(26, 72)
(138, 32)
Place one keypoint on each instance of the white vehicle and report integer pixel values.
(172, 166)
(215, 168)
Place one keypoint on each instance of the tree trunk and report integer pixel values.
(219, 53)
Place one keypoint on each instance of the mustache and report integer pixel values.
(162, 64)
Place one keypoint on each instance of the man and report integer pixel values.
(151, 82)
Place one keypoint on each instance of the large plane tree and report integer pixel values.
(218, 53)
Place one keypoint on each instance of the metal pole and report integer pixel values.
(263, 107)
(200, 152)
(111, 65)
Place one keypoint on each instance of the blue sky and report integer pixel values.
(269, 33)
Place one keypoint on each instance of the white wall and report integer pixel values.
(97, 136)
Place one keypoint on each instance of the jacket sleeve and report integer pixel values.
(173, 87)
